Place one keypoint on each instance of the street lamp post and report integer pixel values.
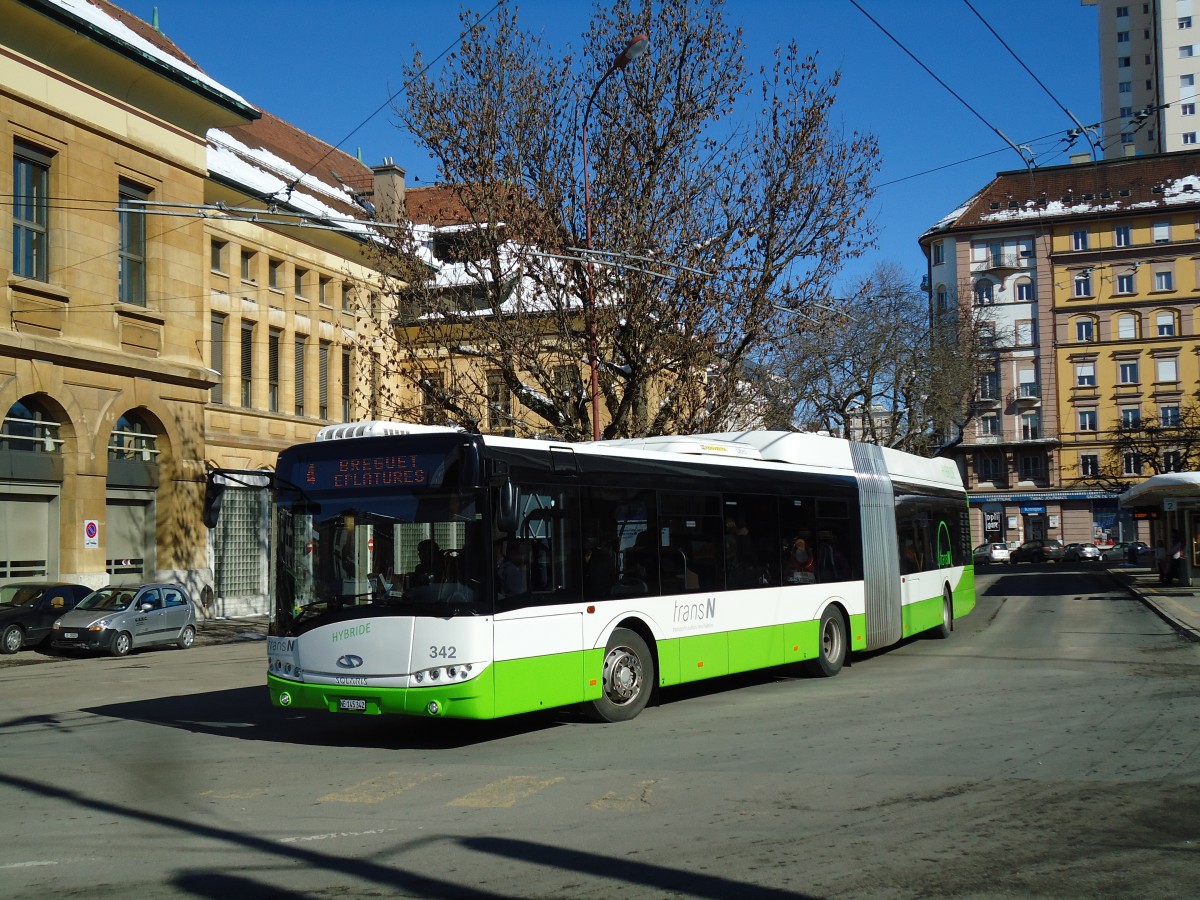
(636, 47)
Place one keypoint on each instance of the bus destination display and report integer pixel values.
(375, 471)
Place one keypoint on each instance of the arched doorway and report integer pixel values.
(31, 478)
(132, 486)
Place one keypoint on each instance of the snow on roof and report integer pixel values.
(264, 173)
(103, 21)
(951, 217)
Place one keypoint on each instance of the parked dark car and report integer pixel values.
(121, 618)
(1038, 551)
(28, 609)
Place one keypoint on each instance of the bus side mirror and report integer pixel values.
(508, 510)
(213, 494)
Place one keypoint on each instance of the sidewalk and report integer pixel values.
(1179, 606)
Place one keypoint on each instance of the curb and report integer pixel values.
(1161, 606)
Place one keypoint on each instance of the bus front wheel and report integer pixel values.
(628, 677)
(831, 645)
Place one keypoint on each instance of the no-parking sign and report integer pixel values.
(91, 534)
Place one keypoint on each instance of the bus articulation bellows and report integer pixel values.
(431, 572)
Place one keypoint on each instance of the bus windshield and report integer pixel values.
(419, 553)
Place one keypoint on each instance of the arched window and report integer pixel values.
(985, 291)
(1164, 323)
(1127, 327)
(30, 428)
(1085, 329)
(132, 439)
(1025, 291)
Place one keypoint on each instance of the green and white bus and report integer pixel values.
(431, 572)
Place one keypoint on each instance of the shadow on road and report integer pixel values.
(622, 876)
(1050, 580)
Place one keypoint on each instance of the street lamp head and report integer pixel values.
(637, 46)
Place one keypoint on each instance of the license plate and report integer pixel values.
(70, 635)
(352, 704)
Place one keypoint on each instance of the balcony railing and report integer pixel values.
(1019, 435)
(998, 261)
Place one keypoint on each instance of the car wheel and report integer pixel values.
(831, 645)
(628, 677)
(122, 644)
(12, 640)
(187, 638)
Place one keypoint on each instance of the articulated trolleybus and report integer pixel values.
(431, 572)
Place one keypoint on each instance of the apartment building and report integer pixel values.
(1149, 64)
(1086, 277)
(184, 283)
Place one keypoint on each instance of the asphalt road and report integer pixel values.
(1049, 748)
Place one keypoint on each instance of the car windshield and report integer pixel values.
(108, 599)
(21, 594)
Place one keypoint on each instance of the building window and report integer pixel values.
(299, 279)
(31, 212)
(1131, 417)
(29, 428)
(1031, 467)
(1127, 373)
(1165, 323)
(990, 468)
(1122, 37)
(1125, 112)
(1089, 464)
(299, 374)
(1122, 12)
(943, 299)
(989, 425)
(1189, 137)
(1025, 291)
(247, 363)
(323, 291)
(1166, 370)
(1083, 283)
(499, 400)
(1024, 333)
(347, 375)
(1185, 52)
(984, 291)
(1122, 236)
(939, 253)
(273, 338)
(1126, 138)
(1185, 21)
(347, 296)
(1031, 429)
(1087, 420)
(432, 386)
(1125, 87)
(989, 386)
(1127, 328)
(274, 272)
(1164, 280)
(1162, 232)
(132, 439)
(1172, 461)
(1187, 109)
(248, 266)
(216, 357)
(1085, 374)
(1085, 330)
(323, 379)
(1079, 239)
(1125, 283)
(131, 247)
(1169, 416)
(1131, 464)
(1122, 62)
(1187, 81)
(217, 250)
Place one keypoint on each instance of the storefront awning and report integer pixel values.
(1041, 496)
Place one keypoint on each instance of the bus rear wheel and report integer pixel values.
(943, 630)
(831, 645)
(627, 679)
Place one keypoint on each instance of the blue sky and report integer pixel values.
(326, 65)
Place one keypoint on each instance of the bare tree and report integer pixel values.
(709, 225)
(879, 366)
(1138, 449)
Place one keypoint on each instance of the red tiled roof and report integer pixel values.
(438, 206)
(146, 31)
(1104, 188)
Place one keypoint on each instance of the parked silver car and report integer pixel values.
(994, 552)
(117, 619)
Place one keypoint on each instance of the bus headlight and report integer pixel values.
(438, 674)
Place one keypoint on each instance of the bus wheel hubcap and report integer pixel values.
(622, 674)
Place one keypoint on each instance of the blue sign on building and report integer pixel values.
(1033, 509)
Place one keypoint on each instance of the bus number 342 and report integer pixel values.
(442, 652)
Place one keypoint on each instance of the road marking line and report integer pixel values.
(625, 804)
(374, 790)
(31, 864)
(505, 794)
(332, 835)
(234, 795)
